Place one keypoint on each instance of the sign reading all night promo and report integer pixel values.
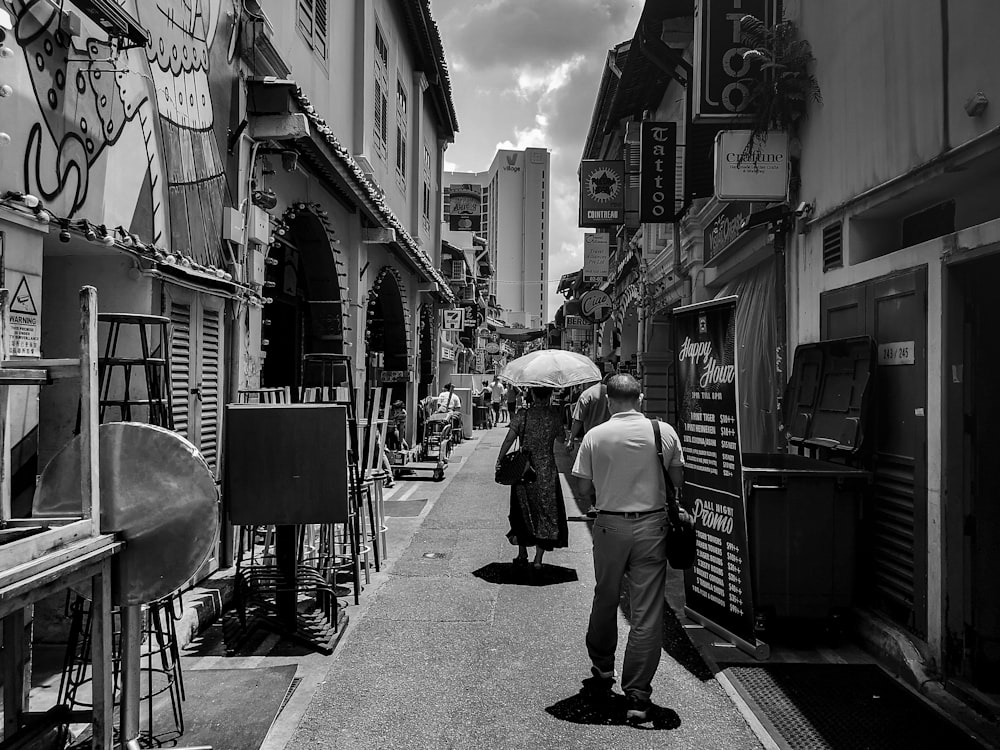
(717, 588)
(602, 193)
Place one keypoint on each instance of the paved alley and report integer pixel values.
(453, 651)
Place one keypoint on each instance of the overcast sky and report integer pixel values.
(525, 73)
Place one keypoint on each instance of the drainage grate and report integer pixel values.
(841, 706)
(296, 681)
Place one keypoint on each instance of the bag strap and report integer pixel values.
(671, 499)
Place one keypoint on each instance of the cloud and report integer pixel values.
(525, 73)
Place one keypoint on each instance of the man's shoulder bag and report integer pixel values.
(515, 467)
(681, 549)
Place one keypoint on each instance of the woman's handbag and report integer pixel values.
(681, 550)
(515, 467)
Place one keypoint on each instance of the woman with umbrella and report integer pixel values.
(537, 513)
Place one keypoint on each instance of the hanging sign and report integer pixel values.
(725, 228)
(575, 321)
(717, 587)
(761, 177)
(596, 253)
(720, 72)
(595, 306)
(657, 175)
(453, 319)
(24, 335)
(465, 207)
(602, 193)
(395, 376)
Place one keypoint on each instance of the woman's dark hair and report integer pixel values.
(623, 388)
(541, 394)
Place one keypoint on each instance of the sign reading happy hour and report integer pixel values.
(602, 193)
(717, 587)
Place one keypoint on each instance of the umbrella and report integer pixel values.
(551, 368)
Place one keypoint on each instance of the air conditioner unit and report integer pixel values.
(469, 294)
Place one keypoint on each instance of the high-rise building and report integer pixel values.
(514, 221)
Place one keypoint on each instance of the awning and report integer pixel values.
(519, 334)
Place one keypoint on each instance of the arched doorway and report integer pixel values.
(302, 279)
(387, 333)
(428, 361)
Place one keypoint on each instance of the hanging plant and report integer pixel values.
(781, 85)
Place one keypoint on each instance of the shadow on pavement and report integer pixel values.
(508, 574)
(588, 707)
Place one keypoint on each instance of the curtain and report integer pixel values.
(755, 332)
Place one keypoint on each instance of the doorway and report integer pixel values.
(893, 311)
(973, 484)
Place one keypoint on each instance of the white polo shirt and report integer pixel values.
(619, 457)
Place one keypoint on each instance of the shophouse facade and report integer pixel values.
(892, 233)
(174, 163)
(515, 224)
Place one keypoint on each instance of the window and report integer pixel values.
(314, 23)
(380, 119)
(427, 202)
(400, 98)
(381, 48)
(401, 152)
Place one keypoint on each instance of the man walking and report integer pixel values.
(590, 410)
(617, 462)
(497, 392)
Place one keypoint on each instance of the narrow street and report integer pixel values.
(458, 651)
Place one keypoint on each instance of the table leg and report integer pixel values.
(131, 676)
(101, 659)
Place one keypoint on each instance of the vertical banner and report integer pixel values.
(717, 588)
(720, 91)
(602, 193)
(596, 254)
(657, 172)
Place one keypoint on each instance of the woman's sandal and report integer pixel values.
(520, 562)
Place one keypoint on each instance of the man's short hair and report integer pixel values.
(623, 387)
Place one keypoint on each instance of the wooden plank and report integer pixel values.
(23, 376)
(12, 575)
(55, 369)
(24, 551)
(40, 585)
(13, 671)
(103, 682)
(90, 482)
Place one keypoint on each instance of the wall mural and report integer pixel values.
(132, 138)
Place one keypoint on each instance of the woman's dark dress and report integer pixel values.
(537, 513)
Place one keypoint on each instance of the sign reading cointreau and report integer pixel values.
(721, 93)
(602, 193)
(657, 164)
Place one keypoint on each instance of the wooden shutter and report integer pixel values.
(320, 27)
(305, 19)
(210, 355)
(181, 365)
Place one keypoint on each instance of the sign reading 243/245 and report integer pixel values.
(896, 353)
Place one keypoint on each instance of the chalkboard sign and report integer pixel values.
(717, 587)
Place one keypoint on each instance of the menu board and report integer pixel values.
(717, 587)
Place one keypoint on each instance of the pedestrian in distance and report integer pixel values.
(591, 409)
(618, 466)
(497, 392)
(537, 513)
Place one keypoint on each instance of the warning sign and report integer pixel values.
(24, 329)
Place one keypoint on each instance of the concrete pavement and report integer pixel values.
(453, 650)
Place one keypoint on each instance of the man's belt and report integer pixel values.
(631, 513)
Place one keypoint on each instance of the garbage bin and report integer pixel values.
(803, 511)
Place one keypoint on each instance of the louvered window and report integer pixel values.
(314, 24)
(180, 366)
(381, 116)
(833, 246)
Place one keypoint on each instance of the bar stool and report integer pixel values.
(379, 478)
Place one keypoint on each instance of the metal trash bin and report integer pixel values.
(803, 511)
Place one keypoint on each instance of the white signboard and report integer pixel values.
(575, 321)
(596, 251)
(454, 319)
(896, 353)
(25, 329)
(761, 177)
